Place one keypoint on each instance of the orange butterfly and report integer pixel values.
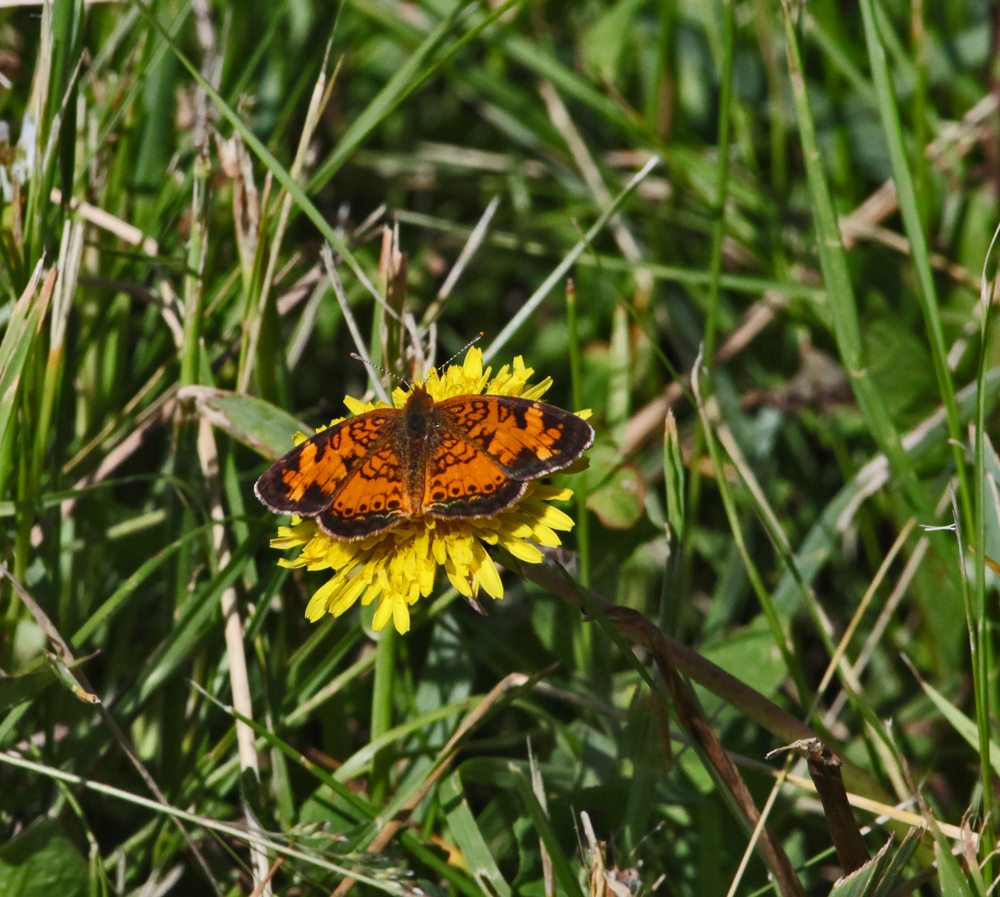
(463, 457)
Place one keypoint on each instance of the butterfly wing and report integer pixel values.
(372, 499)
(463, 481)
(349, 476)
(490, 446)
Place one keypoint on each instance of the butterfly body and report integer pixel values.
(463, 457)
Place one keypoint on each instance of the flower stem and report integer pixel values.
(385, 674)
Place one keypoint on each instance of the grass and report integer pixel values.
(754, 238)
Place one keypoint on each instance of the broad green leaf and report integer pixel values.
(959, 721)
(42, 862)
(603, 44)
(616, 494)
(750, 654)
(864, 882)
(254, 422)
(16, 690)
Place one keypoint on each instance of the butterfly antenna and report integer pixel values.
(470, 343)
(372, 364)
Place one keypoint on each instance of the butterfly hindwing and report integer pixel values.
(463, 481)
(373, 497)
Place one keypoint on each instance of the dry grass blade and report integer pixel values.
(359, 343)
(672, 657)
(468, 251)
(239, 679)
(556, 276)
(112, 224)
(317, 103)
(591, 174)
(700, 730)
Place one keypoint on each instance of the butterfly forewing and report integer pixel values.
(305, 480)
(525, 438)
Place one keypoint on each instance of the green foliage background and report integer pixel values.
(771, 123)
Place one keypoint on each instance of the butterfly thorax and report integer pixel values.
(417, 411)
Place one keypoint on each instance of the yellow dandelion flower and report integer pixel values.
(387, 498)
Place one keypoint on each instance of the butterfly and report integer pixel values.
(464, 457)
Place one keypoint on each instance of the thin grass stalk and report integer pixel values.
(239, 679)
(559, 866)
(919, 108)
(67, 24)
(405, 801)
(913, 222)
(722, 178)
(26, 319)
(986, 709)
(193, 283)
(592, 661)
(759, 826)
(712, 313)
(576, 391)
(866, 599)
(739, 283)
(27, 439)
(621, 625)
(70, 256)
(840, 293)
(763, 16)
(849, 681)
(262, 152)
(69, 267)
(835, 54)
(662, 95)
(560, 117)
(44, 119)
(755, 706)
(86, 692)
(235, 832)
(338, 289)
(619, 394)
(473, 242)
(400, 86)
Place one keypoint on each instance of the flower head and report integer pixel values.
(400, 566)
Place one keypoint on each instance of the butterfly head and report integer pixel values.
(417, 409)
